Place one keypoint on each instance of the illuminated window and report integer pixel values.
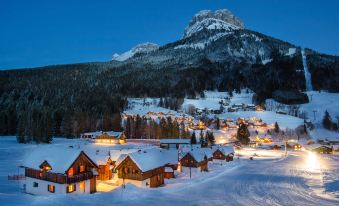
(82, 168)
(70, 172)
(51, 188)
(71, 188)
(82, 186)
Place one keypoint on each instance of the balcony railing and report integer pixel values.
(56, 177)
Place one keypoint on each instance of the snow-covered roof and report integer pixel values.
(227, 149)
(168, 169)
(197, 155)
(100, 157)
(115, 154)
(151, 158)
(59, 158)
(175, 141)
(112, 133)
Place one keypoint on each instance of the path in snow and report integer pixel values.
(306, 72)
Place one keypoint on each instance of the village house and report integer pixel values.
(59, 171)
(174, 143)
(111, 138)
(104, 163)
(223, 153)
(321, 149)
(144, 168)
(193, 162)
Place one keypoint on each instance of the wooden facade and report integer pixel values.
(79, 170)
(189, 161)
(219, 155)
(105, 172)
(128, 169)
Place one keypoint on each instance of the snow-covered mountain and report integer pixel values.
(139, 49)
(207, 19)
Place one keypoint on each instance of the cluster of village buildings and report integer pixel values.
(76, 170)
(73, 170)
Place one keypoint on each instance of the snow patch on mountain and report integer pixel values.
(203, 44)
(140, 48)
(206, 19)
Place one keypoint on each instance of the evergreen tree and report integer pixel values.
(193, 138)
(327, 122)
(128, 127)
(106, 121)
(276, 127)
(218, 124)
(21, 129)
(210, 138)
(243, 134)
(117, 122)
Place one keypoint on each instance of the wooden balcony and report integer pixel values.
(56, 177)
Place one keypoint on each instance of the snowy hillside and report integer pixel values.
(140, 48)
(314, 111)
(212, 99)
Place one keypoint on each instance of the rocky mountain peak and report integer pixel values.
(207, 19)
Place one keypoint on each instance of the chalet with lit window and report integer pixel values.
(104, 163)
(223, 153)
(144, 168)
(194, 161)
(111, 138)
(59, 171)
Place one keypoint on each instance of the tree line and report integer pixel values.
(140, 127)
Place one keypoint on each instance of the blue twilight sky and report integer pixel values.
(41, 32)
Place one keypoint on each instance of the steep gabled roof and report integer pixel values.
(151, 158)
(59, 158)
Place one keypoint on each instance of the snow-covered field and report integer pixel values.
(270, 179)
(212, 99)
(315, 110)
(284, 121)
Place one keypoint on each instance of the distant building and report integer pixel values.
(111, 138)
(59, 171)
(321, 149)
(193, 162)
(223, 153)
(173, 143)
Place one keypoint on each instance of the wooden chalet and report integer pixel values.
(135, 168)
(111, 138)
(223, 153)
(105, 165)
(194, 159)
(59, 171)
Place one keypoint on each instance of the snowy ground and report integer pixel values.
(284, 121)
(270, 179)
(212, 99)
(315, 109)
